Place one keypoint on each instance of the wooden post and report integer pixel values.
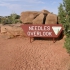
(53, 40)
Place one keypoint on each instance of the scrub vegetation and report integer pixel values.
(13, 18)
(64, 18)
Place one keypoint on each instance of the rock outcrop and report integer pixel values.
(12, 31)
(51, 19)
(28, 16)
(45, 12)
(39, 19)
(34, 17)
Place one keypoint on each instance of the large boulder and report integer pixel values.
(51, 19)
(46, 12)
(12, 31)
(39, 19)
(28, 16)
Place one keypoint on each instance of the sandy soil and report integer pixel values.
(20, 54)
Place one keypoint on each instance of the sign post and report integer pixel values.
(49, 31)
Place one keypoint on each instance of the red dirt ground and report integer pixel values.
(19, 54)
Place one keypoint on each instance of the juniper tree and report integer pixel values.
(64, 15)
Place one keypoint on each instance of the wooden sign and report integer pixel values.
(50, 31)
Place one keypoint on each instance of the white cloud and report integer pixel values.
(16, 7)
(27, 5)
(29, 1)
(4, 4)
(10, 6)
(21, 5)
(53, 3)
(11, 0)
(40, 2)
(35, 1)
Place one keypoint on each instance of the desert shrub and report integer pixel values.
(13, 18)
(18, 21)
(67, 39)
(67, 44)
(64, 15)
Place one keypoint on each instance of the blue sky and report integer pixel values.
(8, 7)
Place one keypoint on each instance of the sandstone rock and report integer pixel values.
(45, 12)
(51, 19)
(39, 19)
(28, 16)
(12, 31)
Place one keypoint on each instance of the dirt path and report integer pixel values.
(20, 54)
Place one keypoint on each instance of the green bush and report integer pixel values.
(67, 40)
(13, 18)
(66, 28)
(18, 21)
(67, 44)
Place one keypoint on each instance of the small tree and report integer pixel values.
(64, 15)
(61, 14)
